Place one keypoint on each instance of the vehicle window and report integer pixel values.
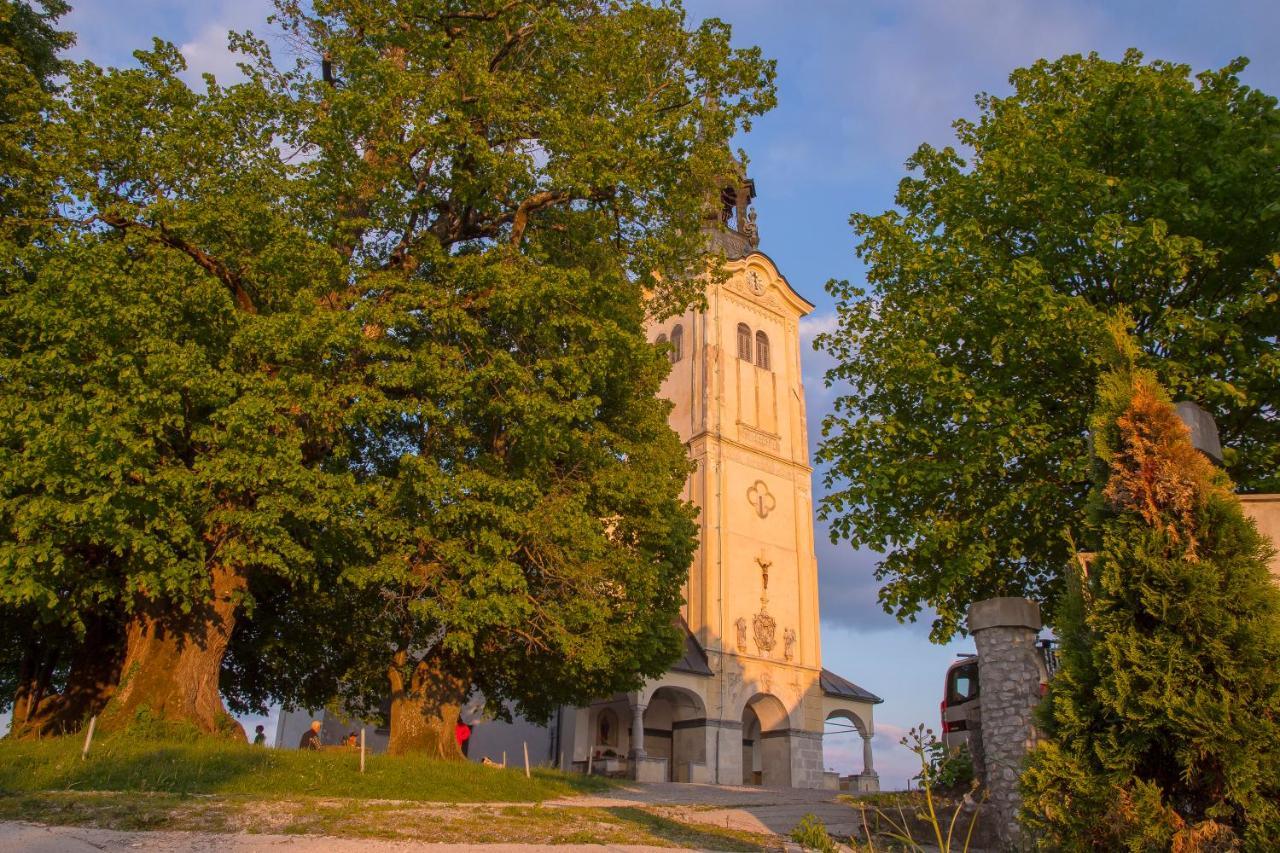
(963, 684)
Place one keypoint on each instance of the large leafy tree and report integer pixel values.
(1163, 722)
(531, 543)
(367, 333)
(960, 451)
(170, 408)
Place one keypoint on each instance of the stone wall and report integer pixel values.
(1265, 512)
(776, 766)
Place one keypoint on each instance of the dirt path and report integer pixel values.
(31, 838)
(763, 810)
(626, 818)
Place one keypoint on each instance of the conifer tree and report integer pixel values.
(1163, 723)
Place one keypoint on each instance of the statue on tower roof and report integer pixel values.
(731, 226)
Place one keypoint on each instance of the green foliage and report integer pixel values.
(29, 40)
(810, 834)
(947, 770)
(1164, 718)
(371, 337)
(149, 759)
(960, 450)
(937, 769)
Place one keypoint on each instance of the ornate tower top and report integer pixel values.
(731, 226)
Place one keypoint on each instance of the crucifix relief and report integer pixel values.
(764, 575)
(761, 500)
(762, 622)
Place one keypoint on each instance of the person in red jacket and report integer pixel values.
(463, 733)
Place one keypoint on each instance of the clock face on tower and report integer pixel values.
(755, 282)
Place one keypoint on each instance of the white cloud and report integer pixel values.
(814, 325)
(207, 53)
(108, 33)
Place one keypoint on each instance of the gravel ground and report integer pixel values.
(751, 809)
(30, 838)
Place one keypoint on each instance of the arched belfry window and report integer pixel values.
(677, 343)
(744, 342)
(762, 350)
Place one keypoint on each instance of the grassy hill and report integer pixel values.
(169, 763)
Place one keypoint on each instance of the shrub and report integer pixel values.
(812, 835)
(1163, 722)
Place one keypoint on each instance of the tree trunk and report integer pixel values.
(173, 660)
(424, 713)
(39, 659)
(39, 710)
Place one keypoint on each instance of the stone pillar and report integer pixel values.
(727, 752)
(806, 759)
(637, 729)
(1009, 667)
(868, 763)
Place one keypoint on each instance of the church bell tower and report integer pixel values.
(752, 592)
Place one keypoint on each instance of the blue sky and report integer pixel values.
(861, 84)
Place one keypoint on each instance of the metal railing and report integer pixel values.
(1049, 651)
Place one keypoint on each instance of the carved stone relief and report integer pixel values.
(765, 305)
(789, 643)
(764, 626)
(762, 501)
(760, 438)
(764, 463)
(741, 625)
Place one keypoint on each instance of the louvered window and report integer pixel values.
(744, 342)
(762, 350)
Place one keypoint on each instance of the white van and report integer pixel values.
(961, 690)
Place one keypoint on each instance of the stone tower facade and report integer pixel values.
(748, 702)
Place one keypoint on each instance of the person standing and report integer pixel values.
(463, 733)
(311, 737)
(260, 736)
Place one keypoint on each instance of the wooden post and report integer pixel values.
(88, 738)
(526, 759)
(590, 755)
(504, 759)
(362, 750)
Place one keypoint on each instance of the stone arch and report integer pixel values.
(766, 742)
(675, 730)
(862, 726)
(854, 725)
(608, 725)
(780, 713)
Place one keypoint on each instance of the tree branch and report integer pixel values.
(162, 234)
(513, 41)
(534, 203)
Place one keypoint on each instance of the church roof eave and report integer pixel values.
(694, 660)
(843, 688)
